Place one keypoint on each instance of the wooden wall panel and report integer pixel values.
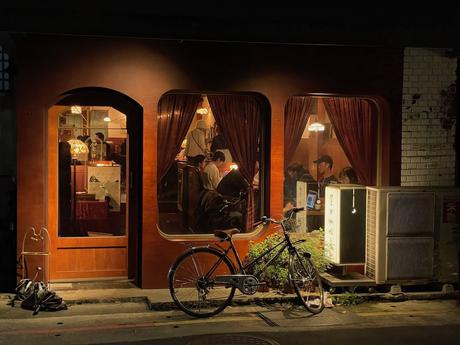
(146, 69)
(90, 262)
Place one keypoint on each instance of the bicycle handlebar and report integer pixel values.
(267, 220)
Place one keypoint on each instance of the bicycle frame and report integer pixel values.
(285, 243)
(226, 275)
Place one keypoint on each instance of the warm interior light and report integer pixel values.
(107, 119)
(75, 109)
(316, 127)
(202, 111)
(233, 166)
(78, 149)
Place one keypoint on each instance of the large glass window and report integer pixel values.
(93, 146)
(211, 159)
(328, 140)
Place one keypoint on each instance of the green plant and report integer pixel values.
(348, 298)
(276, 275)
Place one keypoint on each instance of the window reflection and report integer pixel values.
(92, 172)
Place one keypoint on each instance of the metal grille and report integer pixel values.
(371, 225)
(411, 214)
(410, 258)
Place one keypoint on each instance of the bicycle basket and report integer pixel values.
(290, 224)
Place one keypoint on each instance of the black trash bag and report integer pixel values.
(36, 297)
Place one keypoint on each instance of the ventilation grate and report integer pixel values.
(371, 225)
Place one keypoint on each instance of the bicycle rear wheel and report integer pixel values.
(192, 285)
(305, 280)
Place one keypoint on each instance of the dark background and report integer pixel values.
(394, 26)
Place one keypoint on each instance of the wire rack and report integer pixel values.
(36, 243)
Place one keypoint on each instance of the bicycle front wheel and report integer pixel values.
(192, 282)
(305, 280)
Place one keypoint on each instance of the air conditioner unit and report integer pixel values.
(345, 224)
(406, 235)
(446, 246)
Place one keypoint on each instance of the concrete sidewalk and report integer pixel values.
(160, 299)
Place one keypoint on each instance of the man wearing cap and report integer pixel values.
(325, 164)
(196, 141)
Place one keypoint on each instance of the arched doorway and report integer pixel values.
(98, 237)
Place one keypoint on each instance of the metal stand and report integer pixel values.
(74, 215)
(42, 237)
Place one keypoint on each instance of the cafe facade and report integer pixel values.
(118, 220)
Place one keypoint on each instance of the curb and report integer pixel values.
(6, 296)
(242, 300)
(136, 299)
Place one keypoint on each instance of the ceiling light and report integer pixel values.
(316, 127)
(202, 111)
(75, 109)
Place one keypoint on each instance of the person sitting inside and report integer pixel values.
(325, 164)
(234, 188)
(211, 174)
(348, 176)
(214, 212)
(233, 184)
(296, 172)
(198, 161)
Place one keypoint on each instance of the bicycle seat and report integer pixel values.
(224, 234)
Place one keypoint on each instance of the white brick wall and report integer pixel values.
(428, 156)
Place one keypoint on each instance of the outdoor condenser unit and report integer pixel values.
(407, 239)
(345, 223)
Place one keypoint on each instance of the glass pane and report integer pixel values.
(204, 190)
(317, 161)
(93, 145)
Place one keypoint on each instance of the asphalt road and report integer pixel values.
(432, 335)
(410, 322)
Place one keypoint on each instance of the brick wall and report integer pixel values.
(428, 132)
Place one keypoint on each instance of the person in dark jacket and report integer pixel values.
(325, 164)
(296, 172)
(232, 184)
(214, 213)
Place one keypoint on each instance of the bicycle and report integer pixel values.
(202, 280)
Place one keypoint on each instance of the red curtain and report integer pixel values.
(175, 115)
(239, 118)
(355, 125)
(296, 113)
